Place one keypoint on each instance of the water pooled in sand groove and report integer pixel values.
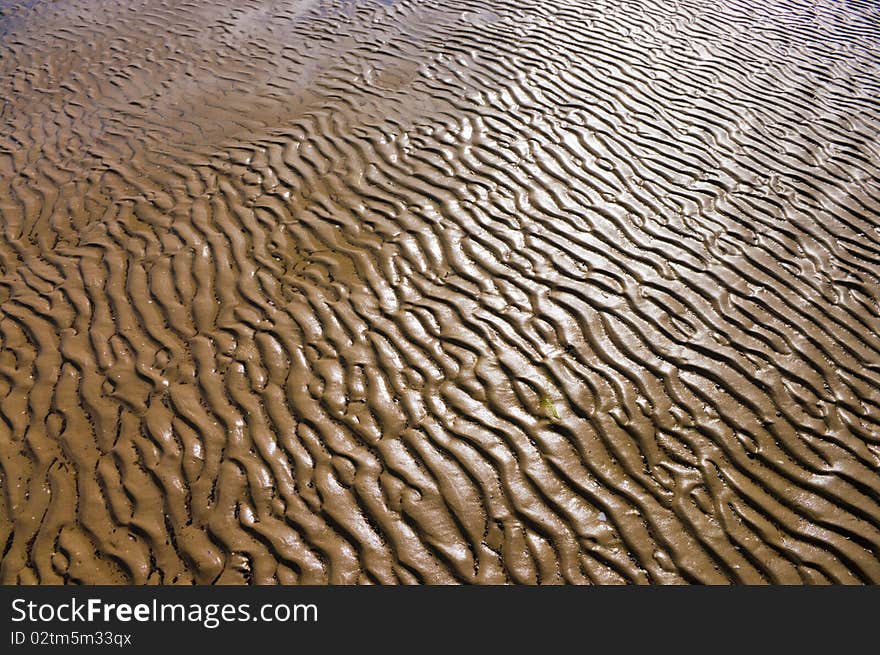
(450, 291)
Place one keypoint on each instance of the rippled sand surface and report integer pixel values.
(440, 291)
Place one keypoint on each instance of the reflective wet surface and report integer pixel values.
(452, 291)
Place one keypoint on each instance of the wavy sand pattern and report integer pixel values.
(440, 291)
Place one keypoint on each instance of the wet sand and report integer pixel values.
(472, 291)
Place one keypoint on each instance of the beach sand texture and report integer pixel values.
(442, 291)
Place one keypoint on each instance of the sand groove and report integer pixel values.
(472, 291)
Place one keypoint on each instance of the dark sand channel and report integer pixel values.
(442, 291)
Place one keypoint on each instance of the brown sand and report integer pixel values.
(439, 291)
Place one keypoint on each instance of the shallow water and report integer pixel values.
(450, 291)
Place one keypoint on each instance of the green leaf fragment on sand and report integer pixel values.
(549, 408)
